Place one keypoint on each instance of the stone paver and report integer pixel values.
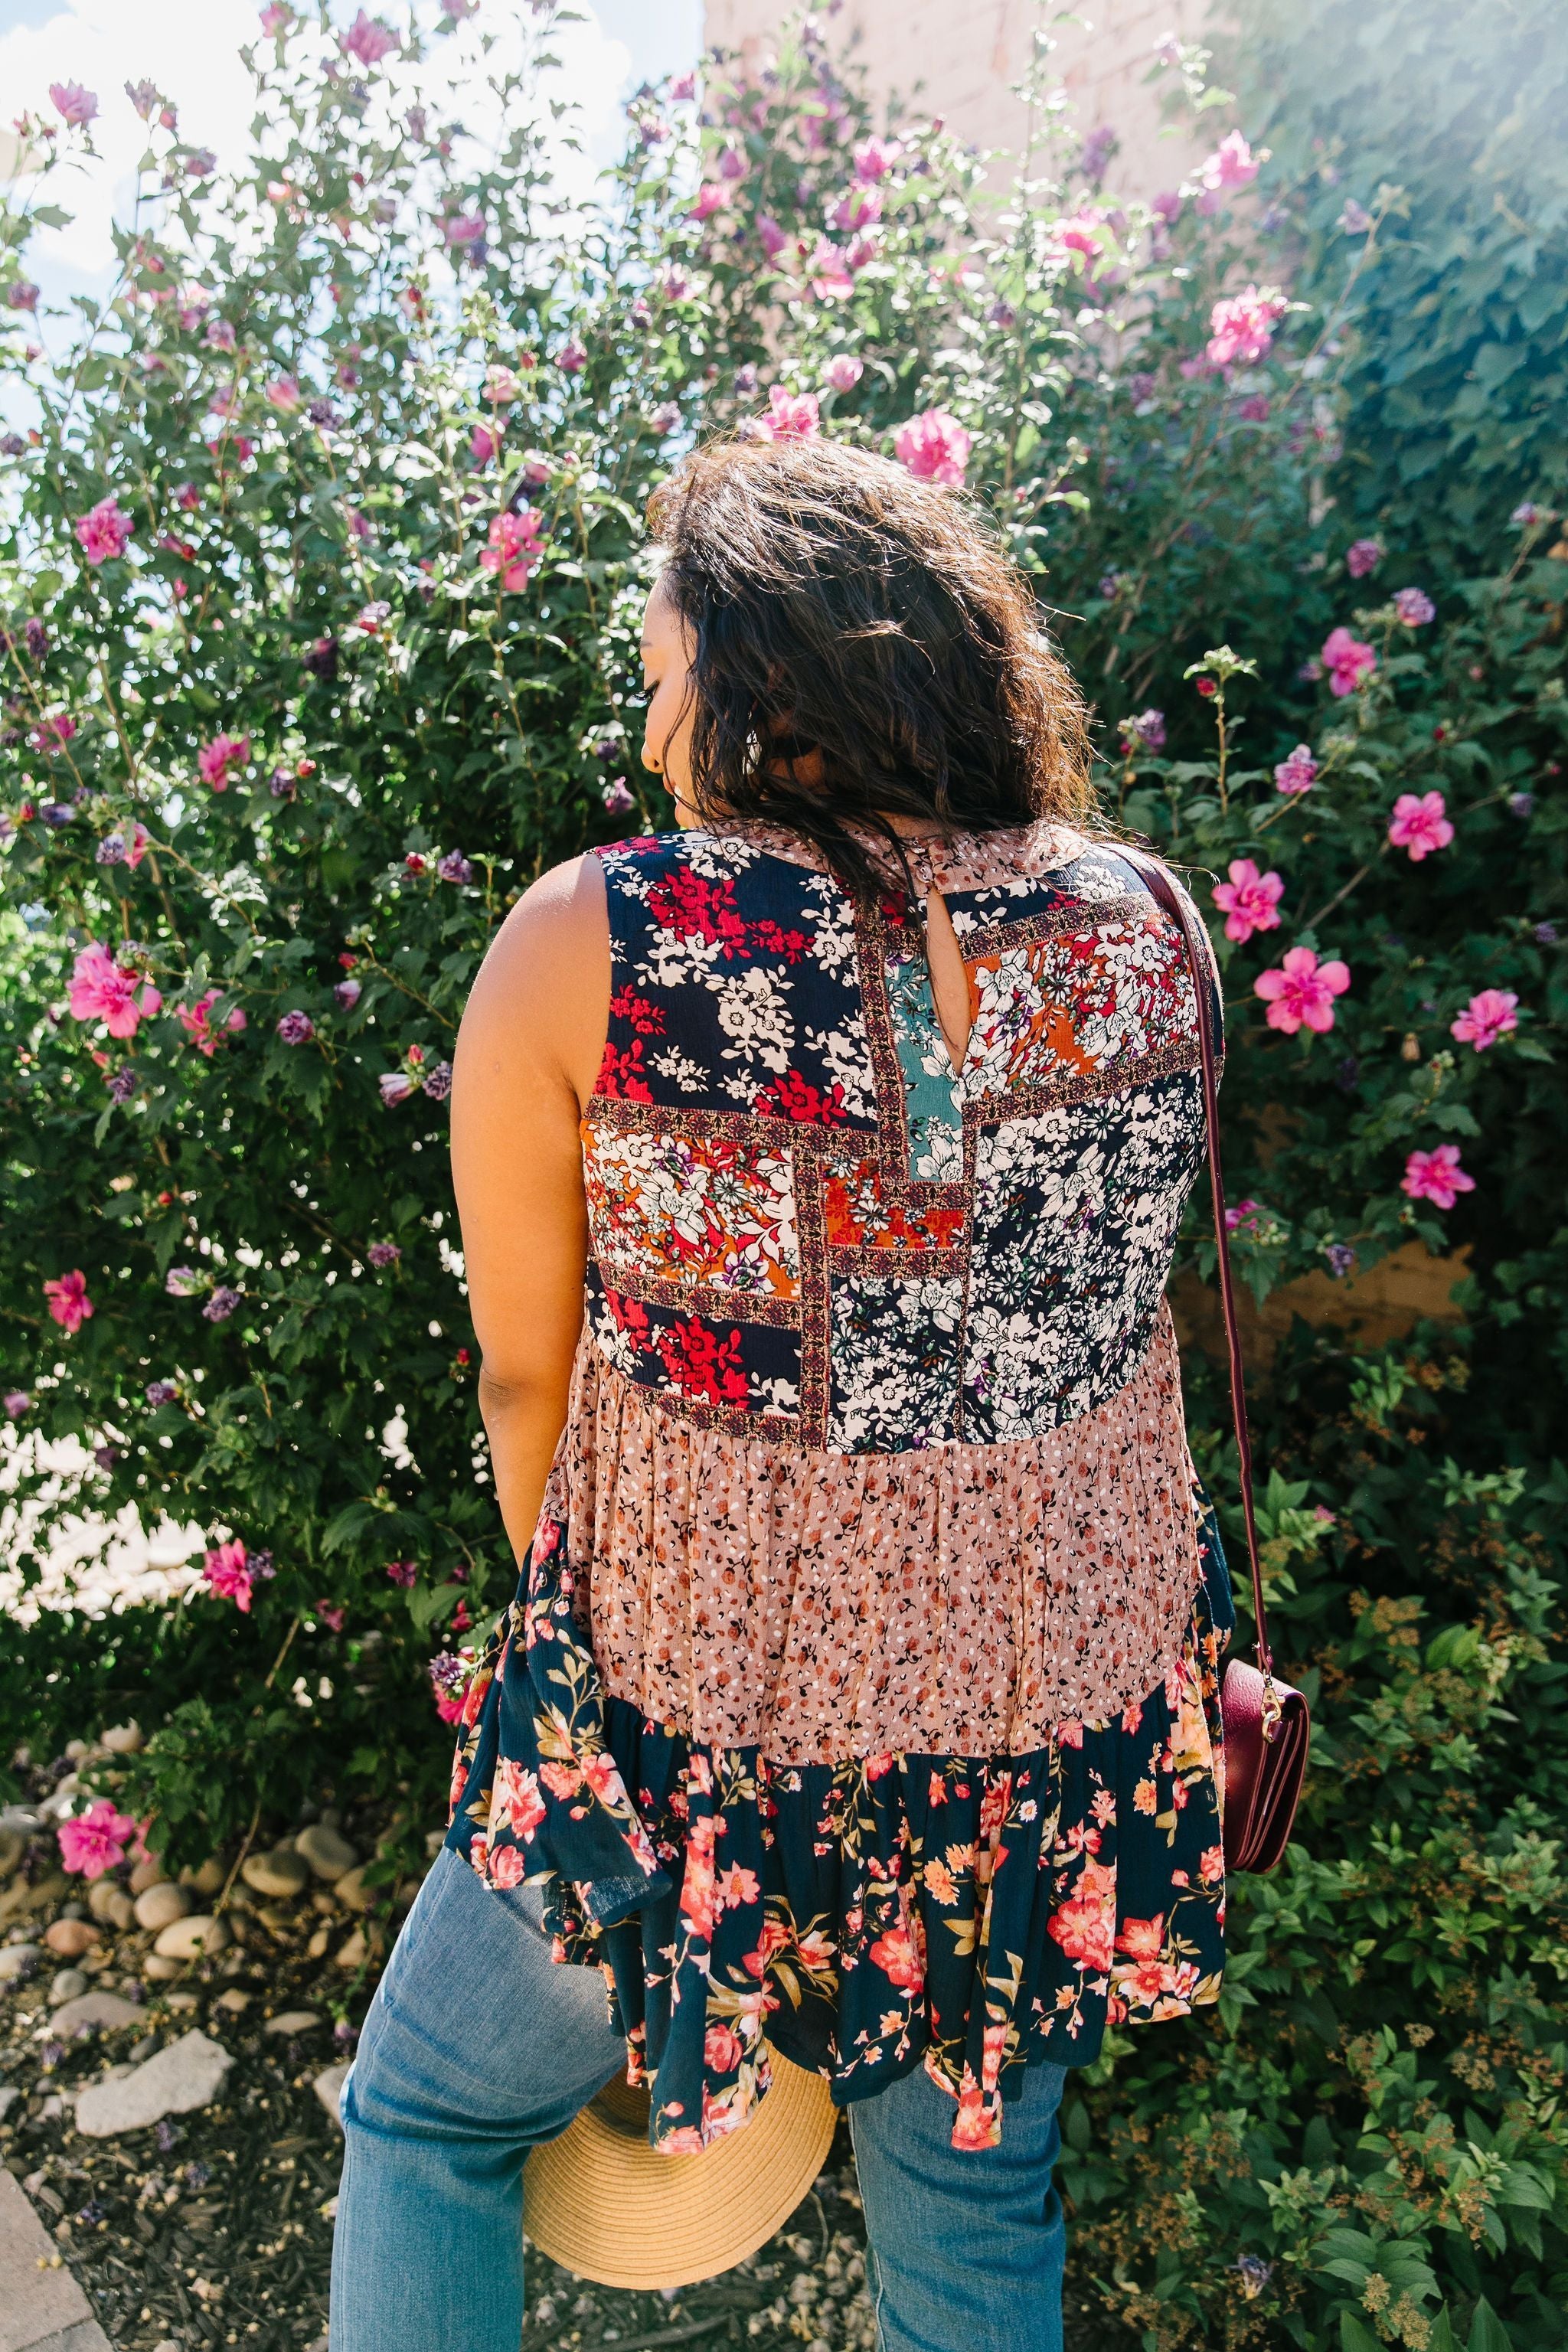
(41, 2309)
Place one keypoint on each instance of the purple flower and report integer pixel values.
(403, 1572)
(1528, 515)
(321, 412)
(347, 993)
(12, 445)
(122, 1084)
(1341, 1258)
(438, 1083)
(1146, 732)
(22, 295)
(106, 1456)
(1521, 803)
(201, 163)
(17, 1402)
(322, 660)
(746, 380)
(1414, 607)
(168, 2136)
(182, 1281)
(396, 1085)
(221, 1305)
(455, 868)
(37, 638)
(1298, 774)
(281, 784)
(571, 359)
(1001, 314)
(616, 798)
(383, 1254)
(665, 418)
(161, 1393)
(1544, 934)
(1355, 220)
(296, 1028)
(1362, 556)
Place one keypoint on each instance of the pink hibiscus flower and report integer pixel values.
(74, 105)
(1347, 661)
(103, 531)
(1436, 1176)
(792, 416)
(217, 760)
(515, 547)
(1232, 165)
(843, 371)
(1486, 1018)
(1420, 825)
(227, 1571)
(1250, 900)
(284, 394)
(102, 989)
(69, 1305)
(196, 1021)
(368, 40)
(709, 199)
(96, 1840)
(933, 447)
(1299, 992)
(1241, 327)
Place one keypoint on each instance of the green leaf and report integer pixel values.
(1488, 2333)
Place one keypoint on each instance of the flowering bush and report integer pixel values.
(319, 577)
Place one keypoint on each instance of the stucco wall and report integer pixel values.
(958, 60)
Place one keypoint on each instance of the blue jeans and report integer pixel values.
(449, 2091)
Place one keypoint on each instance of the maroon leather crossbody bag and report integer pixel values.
(1267, 1724)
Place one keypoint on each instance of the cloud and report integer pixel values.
(191, 49)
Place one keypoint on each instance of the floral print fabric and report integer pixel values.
(861, 1694)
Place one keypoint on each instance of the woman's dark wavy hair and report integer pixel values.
(838, 606)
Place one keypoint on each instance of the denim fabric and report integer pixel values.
(478, 2047)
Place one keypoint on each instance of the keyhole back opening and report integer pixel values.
(949, 979)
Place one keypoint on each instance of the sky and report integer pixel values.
(190, 48)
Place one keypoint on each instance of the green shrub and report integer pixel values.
(282, 740)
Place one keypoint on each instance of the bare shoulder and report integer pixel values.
(543, 994)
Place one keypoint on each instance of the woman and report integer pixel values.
(820, 1165)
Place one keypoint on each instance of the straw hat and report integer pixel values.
(603, 2203)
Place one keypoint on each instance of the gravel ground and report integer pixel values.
(214, 2227)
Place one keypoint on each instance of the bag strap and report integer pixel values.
(1199, 958)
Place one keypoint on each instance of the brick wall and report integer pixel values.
(957, 57)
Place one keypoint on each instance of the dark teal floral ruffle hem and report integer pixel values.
(979, 1914)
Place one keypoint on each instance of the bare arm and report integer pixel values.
(528, 1054)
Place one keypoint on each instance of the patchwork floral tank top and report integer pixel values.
(859, 1700)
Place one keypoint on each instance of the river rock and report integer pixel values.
(159, 1906)
(277, 1875)
(292, 2020)
(198, 1936)
(189, 2073)
(13, 1846)
(235, 1999)
(326, 1850)
(122, 1739)
(208, 1879)
(354, 1893)
(361, 1947)
(68, 1984)
(17, 1960)
(150, 1873)
(104, 2009)
(329, 2088)
(69, 1939)
(110, 1904)
(20, 1899)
